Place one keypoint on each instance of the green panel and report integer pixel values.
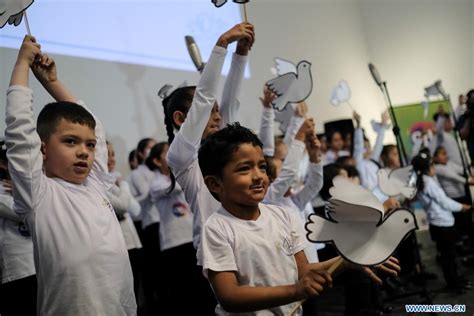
(410, 114)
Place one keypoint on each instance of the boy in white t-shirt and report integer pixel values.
(59, 172)
(252, 253)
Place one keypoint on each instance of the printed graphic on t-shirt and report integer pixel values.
(288, 244)
(23, 230)
(180, 209)
(105, 202)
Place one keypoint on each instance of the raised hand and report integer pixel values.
(307, 128)
(313, 145)
(268, 97)
(240, 32)
(44, 69)
(301, 109)
(29, 51)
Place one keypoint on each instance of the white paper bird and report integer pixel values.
(355, 223)
(341, 93)
(11, 11)
(399, 181)
(291, 87)
(220, 3)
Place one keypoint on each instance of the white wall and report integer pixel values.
(412, 43)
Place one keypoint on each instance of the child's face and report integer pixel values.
(336, 142)
(368, 150)
(69, 152)
(111, 157)
(432, 171)
(161, 162)
(441, 157)
(393, 159)
(244, 181)
(147, 149)
(214, 123)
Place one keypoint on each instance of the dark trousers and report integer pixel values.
(18, 297)
(151, 267)
(445, 238)
(178, 264)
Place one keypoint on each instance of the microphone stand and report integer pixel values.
(396, 127)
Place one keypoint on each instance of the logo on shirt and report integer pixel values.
(288, 245)
(23, 230)
(180, 209)
(105, 202)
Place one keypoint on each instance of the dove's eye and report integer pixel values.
(406, 220)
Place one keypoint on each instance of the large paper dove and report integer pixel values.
(220, 3)
(291, 87)
(11, 11)
(399, 181)
(341, 93)
(357, 226)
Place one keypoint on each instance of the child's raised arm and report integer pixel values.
(45, 71)
(266, 133)
(29, 52)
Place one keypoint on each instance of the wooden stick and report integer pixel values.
(331, 270)
(245, 13)
(26, 23)
(350, 105)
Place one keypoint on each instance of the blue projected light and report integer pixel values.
(140, 32)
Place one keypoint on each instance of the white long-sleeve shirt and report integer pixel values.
(140, 180)
(183, 152)
(81, 261)
(125, 205)
(266, 133)
(16, 246)
(368, 168)
(451, 179)
(438, 205)
(176, 226)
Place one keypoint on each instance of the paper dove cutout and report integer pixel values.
(341, 93)
(376, 126)
(291, 87)
(11, 11)
(220, 3)
(356, 225)
(398, 181)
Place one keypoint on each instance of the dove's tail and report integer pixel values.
(319, 229)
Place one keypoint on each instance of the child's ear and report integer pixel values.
(178, 118)
(214, 184)
(43, 150)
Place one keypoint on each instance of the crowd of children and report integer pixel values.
(215, 214)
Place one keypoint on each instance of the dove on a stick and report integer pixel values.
(397, 181)
(292, 87)
(357, 225)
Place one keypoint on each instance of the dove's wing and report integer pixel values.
(284, 66)
(349, 192)
(11, 11)
(282, 84)
(348, 213)
(397, 182)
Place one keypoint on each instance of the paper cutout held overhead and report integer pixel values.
(355, 222)
(399, 181)
(11, 11)
(294, 84)
(220, 3)
(341, 93)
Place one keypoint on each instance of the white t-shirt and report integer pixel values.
(16, 246)
(81, 261)
(183, 152)
(140, 180)
(176, 226)
(261, 252)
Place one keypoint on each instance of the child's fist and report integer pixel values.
(29, 51)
